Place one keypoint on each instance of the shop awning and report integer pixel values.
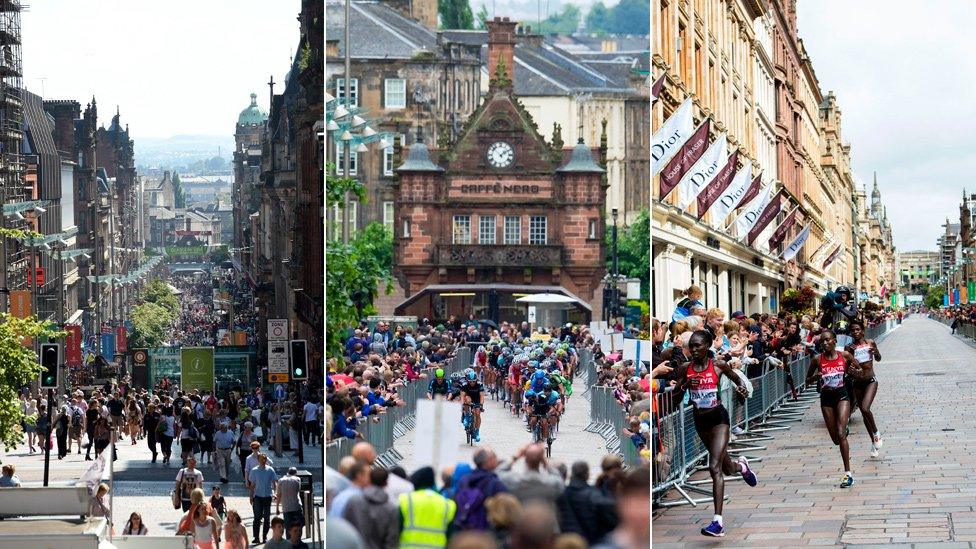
(499, 287)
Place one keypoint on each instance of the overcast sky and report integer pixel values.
(905, 79)
(174, 68)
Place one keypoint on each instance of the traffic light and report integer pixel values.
(50, 360)
(298, 359)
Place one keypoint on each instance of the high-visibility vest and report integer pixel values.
(426, 516)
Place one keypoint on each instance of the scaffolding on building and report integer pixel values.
(13, 186)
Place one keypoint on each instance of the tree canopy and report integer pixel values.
(18, 367)
(627, 17)
(564, 22)
(455, 14)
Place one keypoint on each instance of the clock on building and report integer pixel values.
(501, 155)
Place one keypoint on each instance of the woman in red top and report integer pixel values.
(864, 386)
(835, 404)
(700, 377)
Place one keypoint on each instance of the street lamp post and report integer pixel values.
(346, 149)
(616, 270)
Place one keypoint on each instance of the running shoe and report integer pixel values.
(714, 529)
(737, 430)
(847, 481)
(878, 441)
(747, 474)
(477, 436)
(874, 450)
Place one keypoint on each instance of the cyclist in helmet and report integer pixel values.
(538, 405)
(439, 385)
(472, 392)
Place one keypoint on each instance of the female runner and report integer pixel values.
(864, 386)
(835, 403)
(700, 376)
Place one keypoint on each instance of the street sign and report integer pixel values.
(277, 329)
(277, 378)
(531, 314)
(197, 368)
(279, 391)
(278, 357)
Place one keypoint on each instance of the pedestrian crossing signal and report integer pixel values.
(50, 359)
(299, 360)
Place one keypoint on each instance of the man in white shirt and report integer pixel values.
(252, 460)
(188, 479)
(311, 417)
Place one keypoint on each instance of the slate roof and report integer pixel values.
(377, 31)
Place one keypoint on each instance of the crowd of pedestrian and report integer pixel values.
(526, 501)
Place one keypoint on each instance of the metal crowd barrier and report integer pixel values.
(677, 451)
(382, 431)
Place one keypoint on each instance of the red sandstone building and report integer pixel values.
(499, 213)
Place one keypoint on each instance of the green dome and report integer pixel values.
(253, 114)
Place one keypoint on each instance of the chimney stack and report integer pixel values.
(501, 49)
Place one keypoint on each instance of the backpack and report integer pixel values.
(76, 417)
(471, 513)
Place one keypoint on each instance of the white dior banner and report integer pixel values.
(668, 140)
(748, 218)
(702, 173)
(797, 244)
(731, 197)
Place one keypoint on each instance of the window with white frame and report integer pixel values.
(406, 227)
(395, 90)
(537, 229)
(591, 233)
(486, 229)
(462, 229)
(388, 214)
(353, 221)
(341, 160)
(353, 91)
(388, 155)
(336, 222)
(513, 229)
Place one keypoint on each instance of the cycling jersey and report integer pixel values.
(705, 396)
(473, 391)
(442, 388)
(832, 371)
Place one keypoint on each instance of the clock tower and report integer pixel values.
(499, 213)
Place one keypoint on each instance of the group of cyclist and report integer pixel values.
(533, 378)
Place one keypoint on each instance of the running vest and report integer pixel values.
(706, 395)
(426, 516)
(863, 353)
(832, 372)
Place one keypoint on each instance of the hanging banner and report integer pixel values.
(768, 214)
(797, 244)
(945, 300)
(121, 339)
(972, 289)
(752, 191)
(703, 172)
(963, 296)
(685, 159)
(108, 347)
(20, 303)
(732, 197)
(748, 218)
(240, 338)
(667, 140)
(718, 185)
(780, 233)
(830, 258)
(72, 345)
(656, 87)
(894, 300)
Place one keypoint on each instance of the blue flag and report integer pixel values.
(108, 347)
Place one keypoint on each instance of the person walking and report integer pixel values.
(188, 434)
(91, 417)
(311, 416)
(151, 424)
(252, 459)
(262, 483)
(167, 432)
(188, 479)
(134, 526)
(133, 421)
(243, 446)
(76, 427)
(374, 514)
(102, 434)
(287, 497)
(278, 540)
(235, 534)
(29, 408)
(223, 448)
(206, 534)
(427, 516)
(61, 432)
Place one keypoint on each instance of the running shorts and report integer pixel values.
(707, 418)
(830, 397)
